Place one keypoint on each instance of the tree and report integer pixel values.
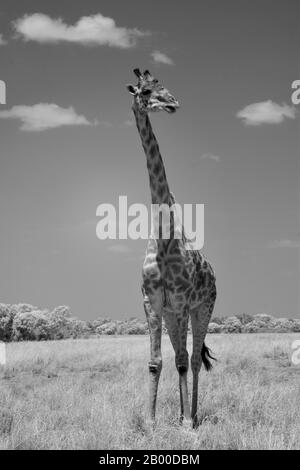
(264, 318)
(219, 320)
(23, 308)
(60, 323)
(6, 322)
(283, 325)
(250, 328)
(79, 328)
(214, 328)
(232, 325)
(29, 326)
(109, 328)
(296, 326)
(135, 327)
(93, 325)
(245, 318)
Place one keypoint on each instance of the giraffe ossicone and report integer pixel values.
(177, 282)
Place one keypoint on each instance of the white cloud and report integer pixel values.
(161, 58)
(39, 117)
(2, 41)
(285, 243)
(211, 156)
(89, 30)
(266, 112)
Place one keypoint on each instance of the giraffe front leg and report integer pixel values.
(153, 312)
(182, 364)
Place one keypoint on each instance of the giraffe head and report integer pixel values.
(150, 95)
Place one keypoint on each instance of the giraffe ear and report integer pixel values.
(131, 89)
(137, 72)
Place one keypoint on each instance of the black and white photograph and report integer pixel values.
(150, 228)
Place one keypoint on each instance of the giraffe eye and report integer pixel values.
(161, 98)
(146, 92)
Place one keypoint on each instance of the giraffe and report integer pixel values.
(177, 281)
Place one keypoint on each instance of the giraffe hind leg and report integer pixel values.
(200, 319)
(177, 325)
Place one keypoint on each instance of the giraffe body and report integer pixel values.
(184, 276)
(177, 282)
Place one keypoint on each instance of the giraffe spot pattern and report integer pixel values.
(152, 151)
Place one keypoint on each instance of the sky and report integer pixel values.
(68, 143)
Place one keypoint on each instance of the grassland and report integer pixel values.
(92, 394)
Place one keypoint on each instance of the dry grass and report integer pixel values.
(92, 394)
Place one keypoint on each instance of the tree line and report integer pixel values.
(24, 322)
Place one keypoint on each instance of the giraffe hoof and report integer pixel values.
(187, 427)
(151, 424)
(196, 422)
(186, 424)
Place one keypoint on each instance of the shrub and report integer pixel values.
(245, 318)
(33, 325)
(263, 318)
(79, 328)
(22, 308)
(133, 326)
(109, 328)
(60, 323)
(214, 328)
(250, 328)
(218, 320)
(283, 325)
(98, 322)
(232, 325)
(258, 325)
(136, 328)
(295, 328)
(6, 322)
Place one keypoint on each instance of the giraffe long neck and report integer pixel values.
(160, 193)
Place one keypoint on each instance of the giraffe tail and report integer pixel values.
(206, 356)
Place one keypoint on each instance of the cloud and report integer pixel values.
(211, 156)
(285, 243)
(266, 112)
(89, 30)
(119, 248)
(161, 58)
(2, 41)
(39, 117)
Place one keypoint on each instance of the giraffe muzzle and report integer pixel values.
(171, 109)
